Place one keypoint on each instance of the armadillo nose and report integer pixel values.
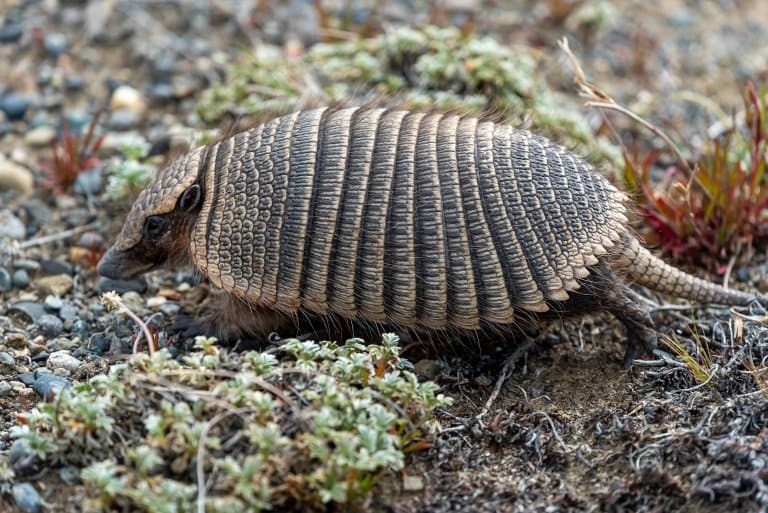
(110, 264)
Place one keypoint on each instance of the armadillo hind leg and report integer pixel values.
(625, 304)
(604, 290)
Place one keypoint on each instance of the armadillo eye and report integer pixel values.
(155, 226)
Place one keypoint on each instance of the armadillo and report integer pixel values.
(418, 220)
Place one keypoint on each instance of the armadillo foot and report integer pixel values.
(641, 333)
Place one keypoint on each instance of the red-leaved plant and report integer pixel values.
(72, 153)
(718, 212)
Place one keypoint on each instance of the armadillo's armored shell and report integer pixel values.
(421, 219)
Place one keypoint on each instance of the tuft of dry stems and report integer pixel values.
(599, 99)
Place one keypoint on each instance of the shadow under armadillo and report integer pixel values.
(246, 326)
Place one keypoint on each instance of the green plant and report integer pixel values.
(301, 427)
(717, 212)
(429, 67)
(72, 153)
(128, 175)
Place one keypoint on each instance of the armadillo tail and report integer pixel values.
(653, 273)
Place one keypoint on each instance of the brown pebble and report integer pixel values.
(58, 284)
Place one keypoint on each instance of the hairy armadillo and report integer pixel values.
(430, 221)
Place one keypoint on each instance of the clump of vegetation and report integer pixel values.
(718, 210)
(129, 175)
(300, 427)
(72, 153)
(418, 68)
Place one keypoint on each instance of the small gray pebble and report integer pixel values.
(6, 283)
(42, 356)
(123, 119)
(53, 303)
(11, 227)
(74, 83)
(20, 278)
(68, 313)
(743, 274)
(5, 389)
(170, 309)
(52, 266)
(89, 183)
(79, 326)
(14, 106)
(99, 343)
(26, 498)
(122, 286)
(91, 240)
(56, 43)
(6, 359)
(10, 33)
(30, 310)
(50, 325)
(47, 385)
(27, 264)
(19, 449)
(70, 475)
(96, 308)
(28, 378)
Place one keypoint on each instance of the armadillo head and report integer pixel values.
(157, 230)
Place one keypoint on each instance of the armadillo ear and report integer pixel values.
(191, 199)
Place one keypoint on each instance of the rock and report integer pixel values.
(53, 303)
(63, 360)
(14, 106)
(10, 33)
(6, 283)
(19, 449)
(5, 389)
(15, 177)
(413, 483)
(122, 286)
(56, 44)
(79, 326)
(123, 119)
(40, 137)
(126, 98)
(50, 325)
(30, 310)
(47, 385)
(743, 274)
(11, 227)
(99, 343)
(7, 360)
(170, 309)
(26, 498)
(59, 284)
(90, 183)
(50, 266)
(17, 341)
(162, 93)
(68, 312)
(156, 301)
(62, 344)
(20, 278)
(74, 83)
(27, 264)
(91, 240)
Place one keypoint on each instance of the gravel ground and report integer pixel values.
(569, 430)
